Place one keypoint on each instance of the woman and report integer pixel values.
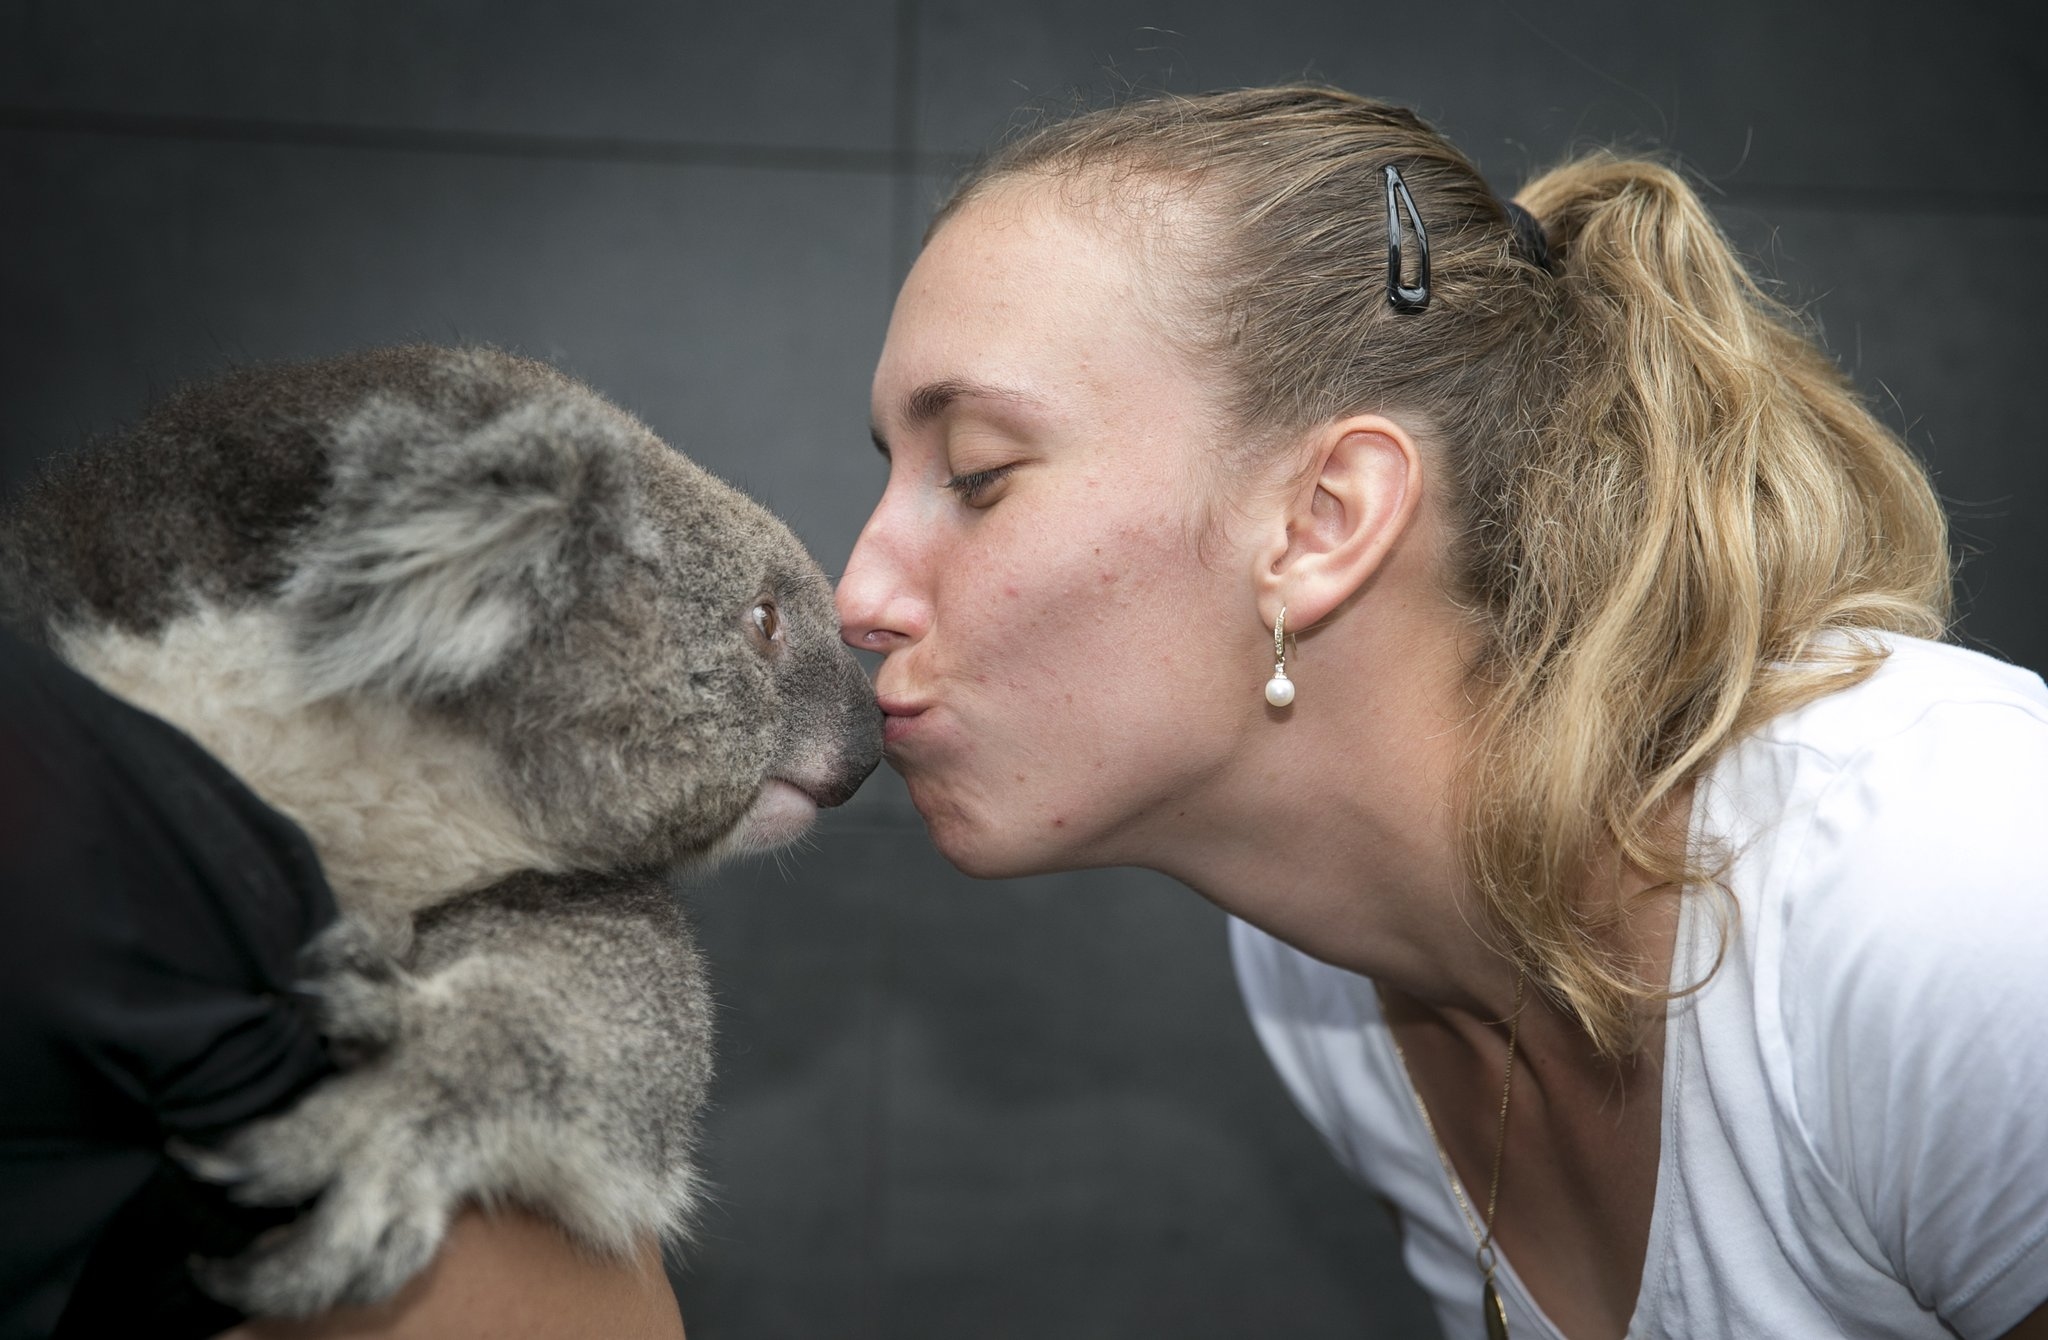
(1624, 886)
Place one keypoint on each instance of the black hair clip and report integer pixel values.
(1530, 240)
(1401, 297)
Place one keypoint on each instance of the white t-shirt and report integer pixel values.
(1855, 1122)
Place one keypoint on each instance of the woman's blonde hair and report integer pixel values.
(1663, 491)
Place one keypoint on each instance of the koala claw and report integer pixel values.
(254, 1175)
(206, 1165)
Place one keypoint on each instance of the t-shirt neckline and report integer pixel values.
(1654, 1249)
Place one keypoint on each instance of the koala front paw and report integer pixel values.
(384, 1201)
(354, 972)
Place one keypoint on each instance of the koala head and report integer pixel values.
(457, 615)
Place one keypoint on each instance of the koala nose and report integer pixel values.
(859, 746)
(841, 788)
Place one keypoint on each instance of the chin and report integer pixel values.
(982, 849)
(979, 862)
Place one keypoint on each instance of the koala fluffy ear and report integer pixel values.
(443, 545)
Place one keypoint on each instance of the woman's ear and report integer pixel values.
(1342, 521)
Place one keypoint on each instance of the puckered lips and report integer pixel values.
(900, 715)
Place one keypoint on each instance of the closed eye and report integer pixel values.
(974, 486)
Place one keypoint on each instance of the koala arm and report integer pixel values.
(505, 1276)
(544, 1044)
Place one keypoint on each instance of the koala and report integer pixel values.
(508, 660)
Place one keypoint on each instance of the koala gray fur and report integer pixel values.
(503, 655)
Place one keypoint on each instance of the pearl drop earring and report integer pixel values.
(1280, 689)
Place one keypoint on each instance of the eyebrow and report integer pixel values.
(933, 399)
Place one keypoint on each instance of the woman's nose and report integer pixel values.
(881, 607)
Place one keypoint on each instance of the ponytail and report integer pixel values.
(1659, 562)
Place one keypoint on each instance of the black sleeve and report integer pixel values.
(151, 909)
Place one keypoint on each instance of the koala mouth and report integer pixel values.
(787, 806)
(780, 814)
(815, 794)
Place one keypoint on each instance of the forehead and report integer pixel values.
(1059, 293)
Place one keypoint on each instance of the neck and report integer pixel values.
(1335, 827)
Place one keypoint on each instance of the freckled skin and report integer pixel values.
(1073, 573)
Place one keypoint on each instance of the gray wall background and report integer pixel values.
(952, 1108)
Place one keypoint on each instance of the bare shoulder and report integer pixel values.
(511, 1277)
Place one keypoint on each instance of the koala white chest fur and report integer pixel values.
(508, 660)
(403, 811)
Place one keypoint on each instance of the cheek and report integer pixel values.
(1060, 614)
(1094, 645)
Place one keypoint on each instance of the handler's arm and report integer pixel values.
(506, 1276)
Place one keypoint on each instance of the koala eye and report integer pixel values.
(767, 623)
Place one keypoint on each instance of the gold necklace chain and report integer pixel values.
(1486, 1256)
